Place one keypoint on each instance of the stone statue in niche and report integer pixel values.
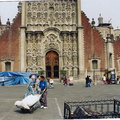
(34, 17)
(68, 7)
(56, 6)
(29, 16)
(65, 47)
(51, 19)
(39, 6)
(59, 17)
(75, 72)
(34, 7)
(45, 7)
(70, 47)
(38, 15)
(74, 46)
(39, 60)
(75, 60)
(73, 6)
(73, 18)
(74, 43)
(34, 52)
(34, 60)
(65, 60)
(45, 17)
(29, 6)
(39, 37)
(63, 6)
(68, 17)
(56, 17)
(29, 60)
(63, 17)
(34, 68)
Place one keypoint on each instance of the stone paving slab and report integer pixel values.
(56, 98)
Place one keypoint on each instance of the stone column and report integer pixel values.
(110, 53)
(80, 40)
(23, 40)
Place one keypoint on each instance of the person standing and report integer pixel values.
(30, 86)
(87, 81)
(90, 81)
(37, 85)
(104, 79)
(64, 78)
(51, 83)
(43, 87)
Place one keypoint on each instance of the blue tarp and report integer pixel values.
(15, 78)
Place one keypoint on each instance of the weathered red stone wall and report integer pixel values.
(116, 52)
(9, 43)
(93, 42)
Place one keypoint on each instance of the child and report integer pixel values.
(51, 83)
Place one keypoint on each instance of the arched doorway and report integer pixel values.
(52, 64)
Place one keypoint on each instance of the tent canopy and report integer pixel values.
(11, 74)
(15, 78)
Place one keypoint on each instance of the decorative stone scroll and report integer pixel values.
(51, 42)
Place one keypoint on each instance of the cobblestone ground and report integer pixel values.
(56, 97)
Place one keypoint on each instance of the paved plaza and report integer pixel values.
(56, 97)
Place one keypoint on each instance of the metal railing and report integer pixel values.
(109, 108)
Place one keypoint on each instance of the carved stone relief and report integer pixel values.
(33, 52)
(54, 13)
(69, 50)
(42, 15)
(51, 42)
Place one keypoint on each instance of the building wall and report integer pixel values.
(9, 45)
(117, 54)
(94, 44)
(28, 28)
(50, 26)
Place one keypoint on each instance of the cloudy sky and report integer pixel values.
(109, 9)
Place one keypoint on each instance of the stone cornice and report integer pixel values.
(23, 27)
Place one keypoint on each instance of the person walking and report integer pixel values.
(30, 86)
(65, 82)
(43, 87)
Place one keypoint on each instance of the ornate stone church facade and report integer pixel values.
(55, 35)
(50, 35)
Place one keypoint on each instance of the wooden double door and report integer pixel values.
(52, 64)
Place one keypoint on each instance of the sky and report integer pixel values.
(109, 10)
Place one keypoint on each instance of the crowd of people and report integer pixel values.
(88, 81)
(67, 80)
(38, 86)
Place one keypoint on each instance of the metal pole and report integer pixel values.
(3, 79)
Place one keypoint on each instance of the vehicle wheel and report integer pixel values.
(31, 110)
(23, 110)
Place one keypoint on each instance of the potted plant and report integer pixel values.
(63, 72)
(41, 72)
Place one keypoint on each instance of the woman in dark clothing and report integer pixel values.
(87, 81)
